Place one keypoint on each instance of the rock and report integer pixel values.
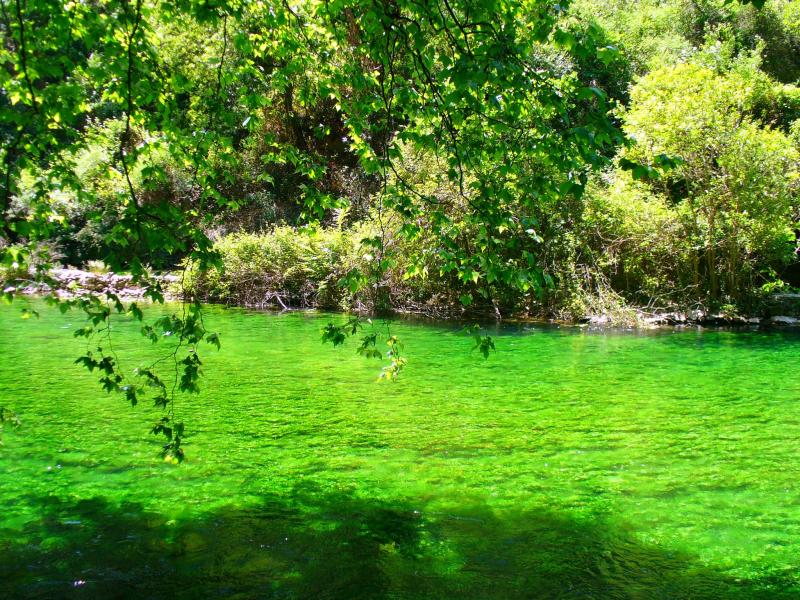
(696, 315)
(784, 320)
(675, 318)
(716, 319)
(665, 318)
(656, 320)
(72, 283)
(754, 320)
(783, 305)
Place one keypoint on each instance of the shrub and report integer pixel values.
(725, 213)
(284, 266)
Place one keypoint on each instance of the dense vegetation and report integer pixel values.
(422, 172)
(445, 156)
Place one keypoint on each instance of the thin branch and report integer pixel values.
(23, 55)
(129, 96)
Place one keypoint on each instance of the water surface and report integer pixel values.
(571, 464)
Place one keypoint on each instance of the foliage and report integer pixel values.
(283, 267)
(720, 223)
(461, 79)
(424, 153)
(483, 343)
(655, 34)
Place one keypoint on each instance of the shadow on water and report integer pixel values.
(316, 544)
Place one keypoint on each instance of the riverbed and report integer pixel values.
(569, 464)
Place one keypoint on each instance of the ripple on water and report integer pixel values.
(568, 465)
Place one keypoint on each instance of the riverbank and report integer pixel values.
(780, 310)
(695, 318)
(71, 283)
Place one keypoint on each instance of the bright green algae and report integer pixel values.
(571, 464)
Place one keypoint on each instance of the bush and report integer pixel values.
(718, 227)
(283, 267)
(643, 247)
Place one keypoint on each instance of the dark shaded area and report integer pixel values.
(318, 544)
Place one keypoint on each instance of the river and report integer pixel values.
(570, 464)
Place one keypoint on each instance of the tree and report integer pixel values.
(720, 222)
(471, 82)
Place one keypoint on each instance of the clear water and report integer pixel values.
(569, 465)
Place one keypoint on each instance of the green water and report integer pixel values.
(570, 464)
